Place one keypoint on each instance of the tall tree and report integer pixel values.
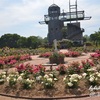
(9, 40)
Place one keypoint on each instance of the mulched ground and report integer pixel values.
(39, 91)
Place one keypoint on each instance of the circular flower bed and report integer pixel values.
(34, 81)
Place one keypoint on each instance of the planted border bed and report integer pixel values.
(35, 82)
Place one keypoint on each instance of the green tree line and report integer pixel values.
(94, 38)
(17, 41)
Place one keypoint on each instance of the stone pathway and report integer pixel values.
(36, 60)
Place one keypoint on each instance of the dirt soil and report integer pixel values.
(39, 91)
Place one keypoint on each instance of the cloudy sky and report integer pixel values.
(23, 16)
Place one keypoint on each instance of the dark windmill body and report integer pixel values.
(55, 20)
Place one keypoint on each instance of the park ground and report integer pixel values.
(36, 60)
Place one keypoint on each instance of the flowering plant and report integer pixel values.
(27, 83)
(61, 68)
(72, 54)
(87, 65)
(48, 81)
(39, 70)
(93, 78)
(71, 81)
(1, 63)
(12, 79)
(57, 58)
(74, 67)
(46, 55)
(2, 77)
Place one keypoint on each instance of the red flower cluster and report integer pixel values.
(98, 51)
(87, 62)
(61, 68)
(10, 60)
(1, 62)
(72, 54)
(30, 68)
(95, 55)
(25, 57)
(45, 55)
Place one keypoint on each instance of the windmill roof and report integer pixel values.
(54, 5)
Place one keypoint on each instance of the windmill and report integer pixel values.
(55, 21)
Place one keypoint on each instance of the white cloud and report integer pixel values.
(32, 11)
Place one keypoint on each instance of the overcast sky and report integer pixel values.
(23, 16)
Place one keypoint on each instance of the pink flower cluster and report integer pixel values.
(95, 55)
(72, 54)
(67, 54)
(30, 68)
(10, 60)
(25, 57)
(45, 55)
(1, 62)
(89, 62)
(61, 67)
(98, 51)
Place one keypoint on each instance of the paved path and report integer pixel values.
(36, 60)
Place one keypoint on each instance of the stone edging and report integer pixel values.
(44, 98)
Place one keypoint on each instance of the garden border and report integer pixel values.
(45, 98)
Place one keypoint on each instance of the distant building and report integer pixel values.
(55, 21)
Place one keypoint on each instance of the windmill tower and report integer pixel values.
(55, 21)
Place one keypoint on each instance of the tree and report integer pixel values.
(95, 37)
(64, 31)
(9, 40)
(33, 42)
(22, 42)
(86, 38)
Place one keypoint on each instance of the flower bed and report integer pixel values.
(11, 60)
(72, 54)
(67, 54)
(57, 58)
(34, 81)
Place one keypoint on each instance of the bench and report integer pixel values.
(50, 65)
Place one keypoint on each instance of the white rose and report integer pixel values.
(55, 79)
(98, 75)
(22, 74)
(1, 80)
(91, 69)
(64, 79)
(79, 77)
(20, 78)
(70, 84)
(91, 79)
(3, 72)
(28, 80)
(14, 79)
(84, 75)
(30, 85)
(49, 79)
(71, 79)
(38, 78)
(46, 84)
(75, 80)
(51, 75)
(46, 76)
(74, 76)
(4, 76)
(8, 79)
(96, 78)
